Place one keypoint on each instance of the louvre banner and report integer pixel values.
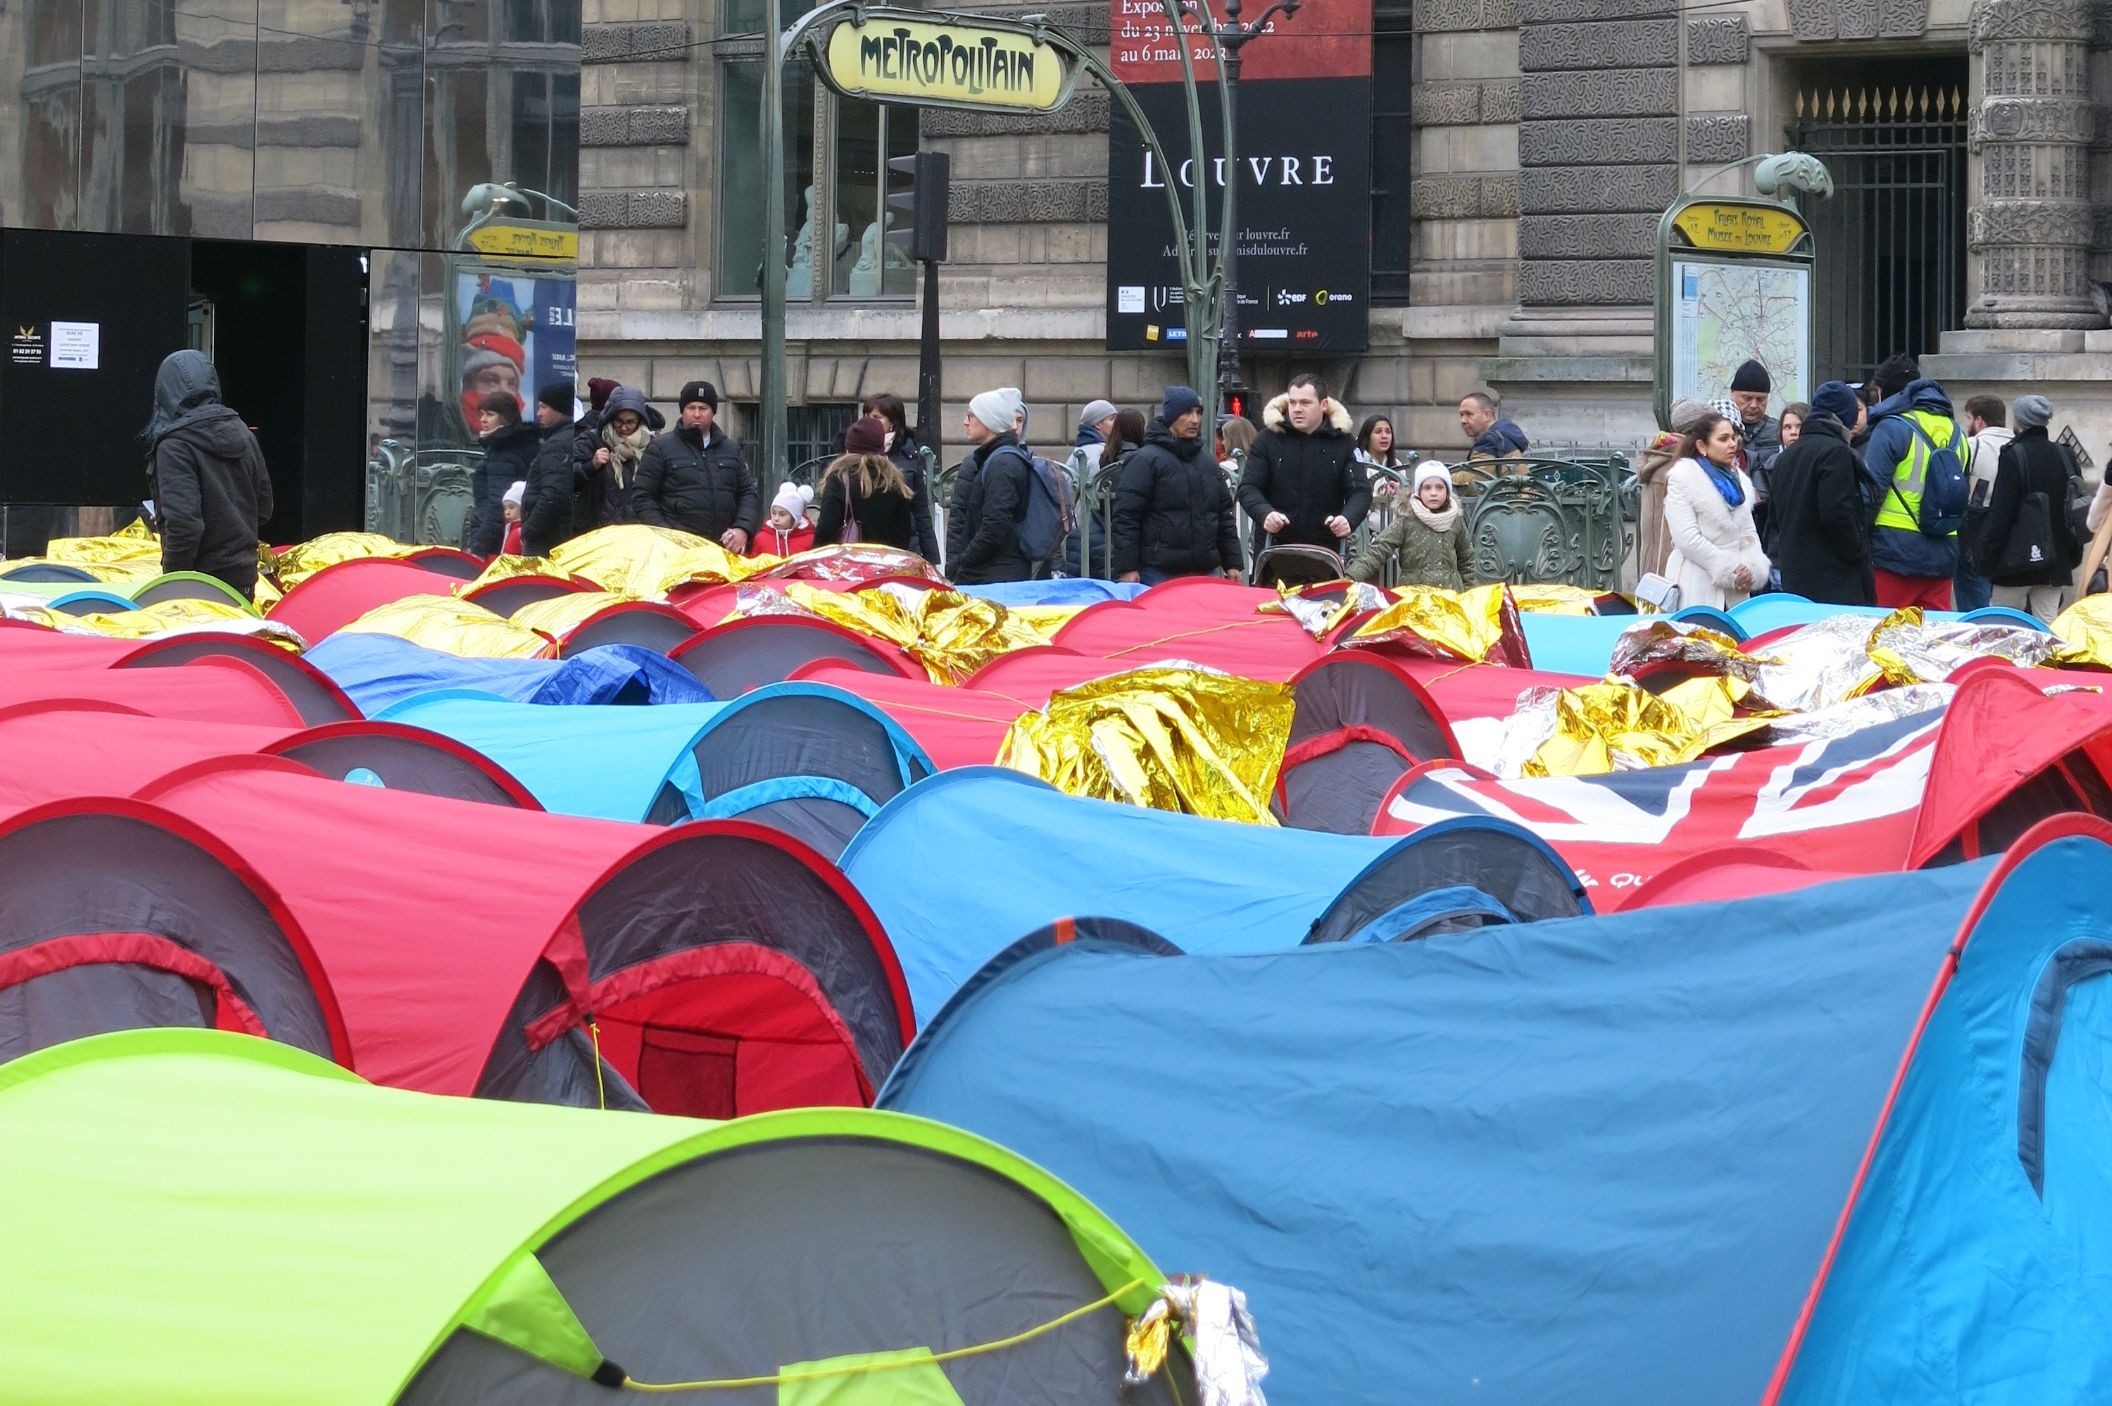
(1303, 170)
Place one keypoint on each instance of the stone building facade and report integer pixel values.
(1544, 139)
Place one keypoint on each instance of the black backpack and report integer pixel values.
(1046, 519)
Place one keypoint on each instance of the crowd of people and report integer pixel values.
(1872, 494)
(1877, 494)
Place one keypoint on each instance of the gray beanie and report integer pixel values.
(999, 409)
(2031, 412)
(1686, 414)
(1095, 411)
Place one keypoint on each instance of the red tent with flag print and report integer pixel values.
(1931, 788)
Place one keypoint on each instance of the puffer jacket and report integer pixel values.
(982, 526)
(1501, 440)
(696, 482)
(211, 491)
(598, 500)
(1308, 477)
(509, 457)
(924, 533)
(1428, 557)
(546, 509)
(1173, 513)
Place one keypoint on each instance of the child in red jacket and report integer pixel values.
(788, 532)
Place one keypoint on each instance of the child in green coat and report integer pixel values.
(1429, 538)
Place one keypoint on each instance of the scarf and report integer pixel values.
(624, 451)
(1440, 521)
(1726, 481)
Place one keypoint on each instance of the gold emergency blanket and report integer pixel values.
(1327, 606)
(1179, 739)
(1616, 726)
(1479, 626)
(861, 563)
(132, 553)
(303, 559)
(559, 616)
(1664, 641)
(454, 626)
(505, 568)
(162, 619)
(646, 562)
(950, 634)
(2086, 628)
(1910, 650)
(1556, 598)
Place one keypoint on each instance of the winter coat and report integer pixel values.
(509, 457)
(598, 499)
(1428, 557)
(1818, 524)
(982, 528)
(1173, 512)
(547, 506)
(1983, 454)
(1308, 477)
(211, 490)
(1710, 538)
(696, 482)
(1653, 541)
(1899, 550)
(768, 541)
(886, 517)
(2032, 463)
(1501, 440)
(925, 542)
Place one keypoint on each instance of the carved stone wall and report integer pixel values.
(1598, 146)
(1828, 20)
(2030, 230)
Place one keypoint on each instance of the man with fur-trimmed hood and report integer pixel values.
(1303, 483)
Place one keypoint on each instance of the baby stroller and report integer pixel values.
(1294, 564)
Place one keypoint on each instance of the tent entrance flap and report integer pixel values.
(721, 1031)
(523, 1309)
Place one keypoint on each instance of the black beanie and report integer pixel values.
(558, 395)
(1751, 377)
(700, 390)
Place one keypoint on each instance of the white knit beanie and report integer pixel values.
(999, 409)
(1430, 469)
(793, 498)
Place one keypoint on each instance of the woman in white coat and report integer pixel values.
(1716, 557)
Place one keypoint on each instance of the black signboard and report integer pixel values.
(1304, 208)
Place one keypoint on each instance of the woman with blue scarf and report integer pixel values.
(1716, 558)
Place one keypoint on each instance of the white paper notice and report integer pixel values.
(77, 346)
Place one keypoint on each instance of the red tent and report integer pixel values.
(1928, 789)
(732, 658)
(78, 746)
(116, 915)
(722, 968)
(955, 726)
(339, 594)
(1194, 626)
(214, 689)
(1361, 722)
(312, 692)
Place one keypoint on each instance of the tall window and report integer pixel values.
(836, 179)
(1392, 149)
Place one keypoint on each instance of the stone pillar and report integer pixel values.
(2029, 232)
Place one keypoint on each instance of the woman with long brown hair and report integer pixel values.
(864, 495)
(1716, 555)
(904, 453)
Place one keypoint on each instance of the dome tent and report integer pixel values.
(257, 1226)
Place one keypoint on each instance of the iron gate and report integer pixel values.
(1891, 241)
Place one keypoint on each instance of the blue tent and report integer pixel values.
(1602, 1159)
(971, 860)
(1761, 614)
(379, 671)
(1055, 590)
(798, 755)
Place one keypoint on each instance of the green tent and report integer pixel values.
(197, 1216)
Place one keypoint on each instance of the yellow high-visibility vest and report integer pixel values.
(1902, 506)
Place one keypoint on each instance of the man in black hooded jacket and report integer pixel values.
(1173, 512)
(1302, 481)
(211, 491)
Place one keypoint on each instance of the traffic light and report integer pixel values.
(1236, 401)
(920, 212)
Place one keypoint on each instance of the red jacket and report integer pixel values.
(768, 541)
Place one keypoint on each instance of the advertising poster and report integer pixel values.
(1303, 171)
(516, 334)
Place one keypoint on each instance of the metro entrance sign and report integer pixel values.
(1734, 283)
(891, 56)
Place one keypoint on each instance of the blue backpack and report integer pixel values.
(1045, 519)
(1945, 488)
